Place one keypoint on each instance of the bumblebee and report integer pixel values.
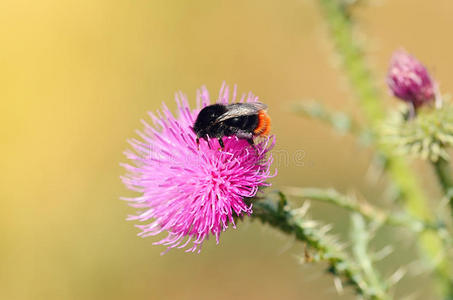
(244, 120)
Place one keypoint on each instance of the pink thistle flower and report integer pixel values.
(409, 80)
(191, 193)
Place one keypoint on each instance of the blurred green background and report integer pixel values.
(77, 76)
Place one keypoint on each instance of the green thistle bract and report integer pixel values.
(426, 136)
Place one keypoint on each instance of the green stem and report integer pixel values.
(360, 236)
(443, 173)
(291, 221)
(369, 99)
(362, 82)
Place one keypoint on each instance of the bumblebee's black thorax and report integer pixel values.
(207, 125)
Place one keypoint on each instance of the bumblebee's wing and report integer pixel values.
(241, 109)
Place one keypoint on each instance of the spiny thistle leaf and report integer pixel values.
(339, 121)
(323, 247)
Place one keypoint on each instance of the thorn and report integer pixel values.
(383, 253)
(310, 224)
(396, 277)
(302, 211)
(307, 256)
(338, 285)
(325, 229)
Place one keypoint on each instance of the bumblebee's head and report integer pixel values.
(207, 117)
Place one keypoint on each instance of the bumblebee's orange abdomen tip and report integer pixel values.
(264, 124)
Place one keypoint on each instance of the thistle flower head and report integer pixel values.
(409, 80)
(187, 191)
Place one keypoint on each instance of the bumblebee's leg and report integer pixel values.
(250, 141)
(208, 140)
(198, 143)
(222, 145)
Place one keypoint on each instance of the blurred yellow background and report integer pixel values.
(77, 76)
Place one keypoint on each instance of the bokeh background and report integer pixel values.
(77, 76)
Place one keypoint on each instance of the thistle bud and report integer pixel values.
(409, 80)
